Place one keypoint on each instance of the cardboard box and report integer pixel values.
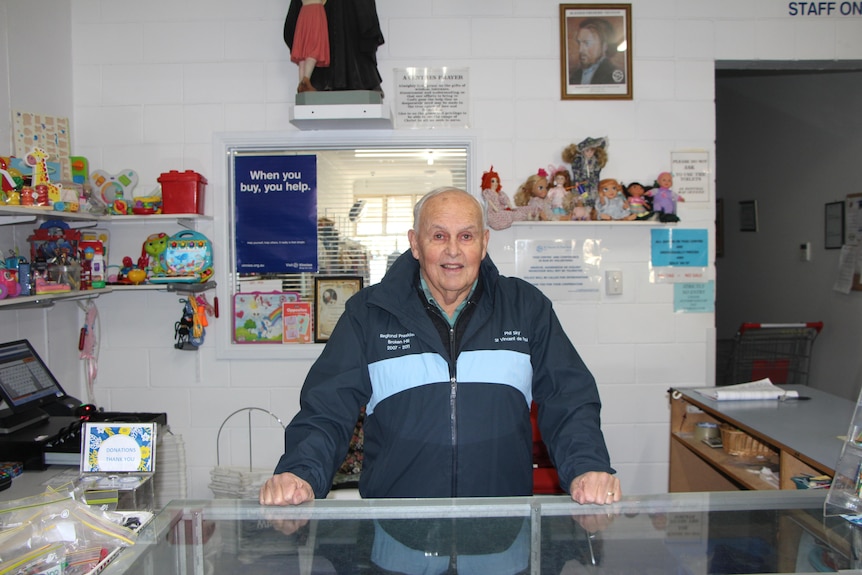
(182, 192)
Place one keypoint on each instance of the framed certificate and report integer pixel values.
(330, 295)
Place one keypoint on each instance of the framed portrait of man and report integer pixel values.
(596, 51)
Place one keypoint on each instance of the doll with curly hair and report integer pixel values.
(587, 159)
(498, 207)
(560, 192)
(533, 194)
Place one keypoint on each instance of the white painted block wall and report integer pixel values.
(153, 81)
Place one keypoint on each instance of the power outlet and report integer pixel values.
(614, 282)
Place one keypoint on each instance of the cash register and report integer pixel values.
(40, 424)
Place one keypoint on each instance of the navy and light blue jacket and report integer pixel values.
(448, 409)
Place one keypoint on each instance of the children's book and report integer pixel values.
(257, 317)
(297, 322)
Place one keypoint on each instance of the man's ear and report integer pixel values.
(411, 237)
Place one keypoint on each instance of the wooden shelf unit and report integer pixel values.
(802, 437)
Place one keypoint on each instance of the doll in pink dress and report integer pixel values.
(310, 47)
(500, 212)
(560, 194)
(534, 194)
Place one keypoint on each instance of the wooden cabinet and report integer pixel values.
(796, 438)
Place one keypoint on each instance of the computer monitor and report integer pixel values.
(26, 385)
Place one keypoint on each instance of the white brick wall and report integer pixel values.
(153, 81)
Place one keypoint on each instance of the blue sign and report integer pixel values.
(275, 208)
(673, 247)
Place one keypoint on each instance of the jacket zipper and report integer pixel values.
(453, 421)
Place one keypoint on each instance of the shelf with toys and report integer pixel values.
(59, 229)
(19, 214)
(49, 299)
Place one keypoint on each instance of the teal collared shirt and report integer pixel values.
(458, 309)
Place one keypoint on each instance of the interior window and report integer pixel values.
(365, 199)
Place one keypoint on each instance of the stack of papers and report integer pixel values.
(761, 389)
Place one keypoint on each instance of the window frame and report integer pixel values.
(226, 147)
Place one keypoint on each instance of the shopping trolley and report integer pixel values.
(779, 351)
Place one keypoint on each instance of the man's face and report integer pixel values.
(590, 47)
(449, 245)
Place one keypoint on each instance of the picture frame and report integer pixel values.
(596, 41)
(330, 295)
(834, 225)
(748, 216)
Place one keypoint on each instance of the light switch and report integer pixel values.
(614, 282)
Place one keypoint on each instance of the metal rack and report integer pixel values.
(779, 351)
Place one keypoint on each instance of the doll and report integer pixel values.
(638, 201)
(612, 204)
(499, 209)
(587, 159)
(580, 213)
(559, 194)
(310, 46)
(664, 199)
(534, 194)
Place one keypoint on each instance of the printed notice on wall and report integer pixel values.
(691, 175)
(562, 269)
(432, 98)
(275, 214)
(694, 297)
(678, 255)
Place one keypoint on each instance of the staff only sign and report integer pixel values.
(824, 8)
(275, 214)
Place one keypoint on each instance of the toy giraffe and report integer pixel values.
(38, 160)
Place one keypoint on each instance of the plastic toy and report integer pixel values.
(664, 199)
(137, 276)
(52, 240)
(9, 286)
(37, 159)
(188, 257)
(7, 180)
(115, 190)
(153, 253)
(44, 286)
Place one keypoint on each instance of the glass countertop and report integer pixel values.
(681, 533)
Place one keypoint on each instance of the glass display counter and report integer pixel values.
(698, 533)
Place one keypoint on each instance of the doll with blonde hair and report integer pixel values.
(587, 159)
(612, 204)
(533, 193)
